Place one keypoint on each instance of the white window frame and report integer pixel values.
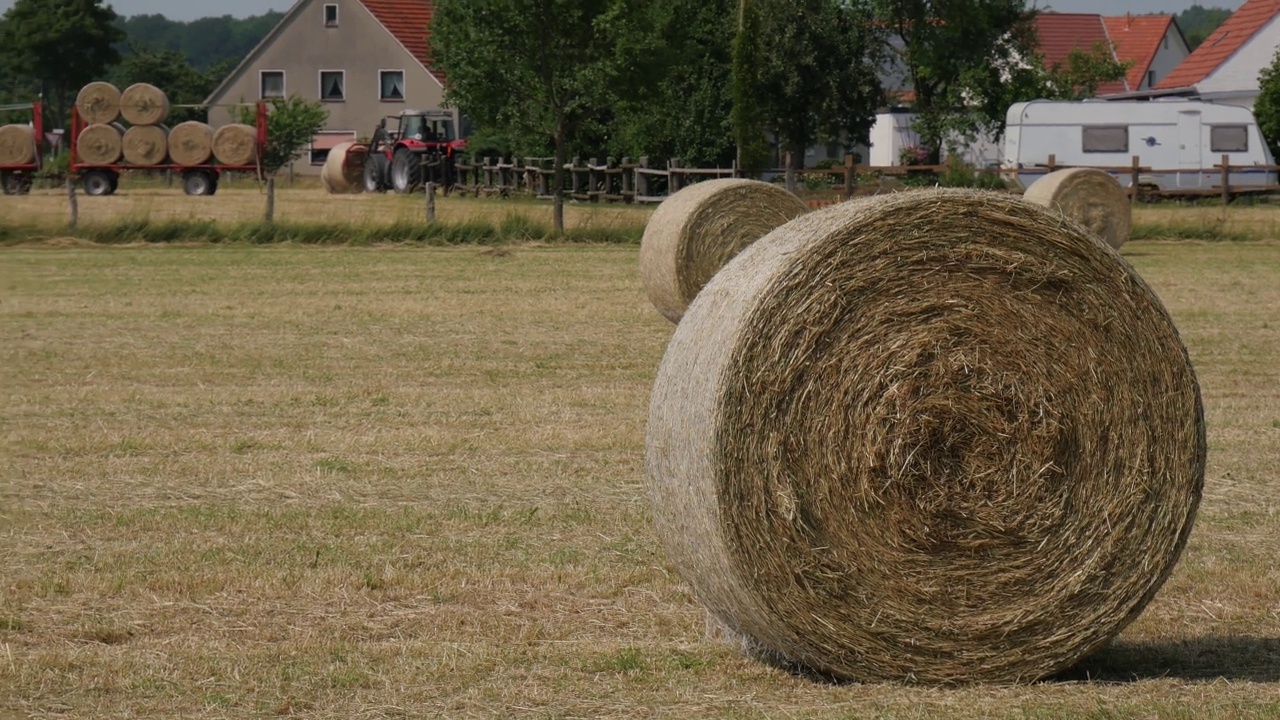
(284, 87)
(320, 84)
(324, 16)
(349, 134)
(404, 85)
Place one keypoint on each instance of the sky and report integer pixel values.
(192, 9)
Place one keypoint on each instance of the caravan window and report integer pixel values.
(1229, 138)
(1105, 138)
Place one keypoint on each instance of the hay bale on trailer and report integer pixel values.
(235, 144)
(146, 144)
(98, 103)
(17, 145)
(1087, 196)
(934, 437)
(144, 104)
(101, 144)
(697, 230)
(191, 143)
(341, 176)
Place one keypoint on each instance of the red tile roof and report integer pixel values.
(1060, 33)
(409, 22)
(1222, 44)
(1137, 39)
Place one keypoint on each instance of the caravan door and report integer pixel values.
(1189, 149)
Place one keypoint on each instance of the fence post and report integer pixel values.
(789, 172)
(271, 199)
(642, 179)
(848, 176)
(1226, 180)
(1053, 162)
(1133, 179)
(73, 208)
(431, 202)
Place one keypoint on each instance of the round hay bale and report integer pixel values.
(190, 143)
(17, 145)
(1089, 197)
(696, 231)
(936, 437)
(100, 144)
(144, 104)
(235, 144)
(98, 103)
(146, 144)
(340, 176)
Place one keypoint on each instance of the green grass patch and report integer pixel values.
(1204, 231)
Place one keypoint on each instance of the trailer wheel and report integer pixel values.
(11, 183)
(1148, 193)
(375, 173)
(197, 182)
(99, 182)
(406, 171)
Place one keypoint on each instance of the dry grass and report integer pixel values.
(406, 482)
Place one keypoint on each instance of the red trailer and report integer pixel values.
(196, 179)
(17, 179)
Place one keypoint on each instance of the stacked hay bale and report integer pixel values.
(145, 107)
(935, 437)
(17, 145)
(236, 144)
(339, 176)
(1089, 197)
(191, 143)
(101, 142)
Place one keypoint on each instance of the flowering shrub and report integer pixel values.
(913, 155)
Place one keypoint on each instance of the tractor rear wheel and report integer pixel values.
(375, 173)
(406, 171)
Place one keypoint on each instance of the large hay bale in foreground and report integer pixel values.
(340, 176)
(696, 231)
(235, 144)
(146, 144)
(17, 145)
(98, 103)
(191, 143)
(144, 104)
(100, 144)
(934, 437)
(1089, 197)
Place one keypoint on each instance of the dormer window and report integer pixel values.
(331, 15)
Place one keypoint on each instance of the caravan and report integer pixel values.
(1180, 141)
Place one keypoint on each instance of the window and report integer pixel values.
(333, 85)
(391, 85)
(1228, 138)
(271, 84)
(1105, 139)
(1166, 41)
(325, 141)
(1151, 78)
(331, 15)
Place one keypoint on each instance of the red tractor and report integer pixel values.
(421, 149)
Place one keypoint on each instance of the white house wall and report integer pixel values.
(1166, 59)
(1236, 79)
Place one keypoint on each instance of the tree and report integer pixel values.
(1266, 109)
(1199, 22)
(748, 127)
(59, 45)
(291, 125)
(537, 68)
(1082, 74)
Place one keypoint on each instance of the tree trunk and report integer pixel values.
(557, 179)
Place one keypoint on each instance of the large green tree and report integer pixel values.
(538, 68)
(58, 46)
(1267, 107)
(1198, 22)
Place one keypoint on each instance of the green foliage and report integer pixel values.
(1267, 107)
(207, 42)
(170, 71)
(1082, 74)
(748, 130)
(291, 124)
(961, 175)
(1199, 22)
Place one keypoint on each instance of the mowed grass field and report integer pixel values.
(397, 481)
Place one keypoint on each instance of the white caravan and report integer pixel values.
(1179, 140)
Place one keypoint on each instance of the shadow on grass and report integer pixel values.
(1250, 659)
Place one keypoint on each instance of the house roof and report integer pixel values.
(1222, 43)
(1057, 34)
(1137, 39)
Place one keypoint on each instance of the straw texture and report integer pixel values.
(144, 104)
(98, 103)
(340, 177)
(146, 144)
(101, 144)
(936, 437)
(17, 145)
(696, 231)
(235, 144)
(1088, 196)
(191, 143)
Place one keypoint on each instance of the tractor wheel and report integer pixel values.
(99, 182)
(197, 182)
(406, 171)
(375, 173)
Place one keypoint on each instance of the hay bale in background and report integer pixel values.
(17, 145)
(340, 176)
(696, 231)
(98, 103)
(191, 143)
(144, 104)
(146, 144)
(1089, 197)
(936, 437)
(101, 144)
(235, 144)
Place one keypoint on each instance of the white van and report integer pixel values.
(1180, 141)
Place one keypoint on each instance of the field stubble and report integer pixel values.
(406, 482)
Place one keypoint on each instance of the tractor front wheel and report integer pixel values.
(375, 173)
(406, 171)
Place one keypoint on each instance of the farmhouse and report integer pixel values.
(1225, 67)
(1153, 45)
(364, 59)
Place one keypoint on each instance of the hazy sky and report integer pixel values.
(192, 9)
